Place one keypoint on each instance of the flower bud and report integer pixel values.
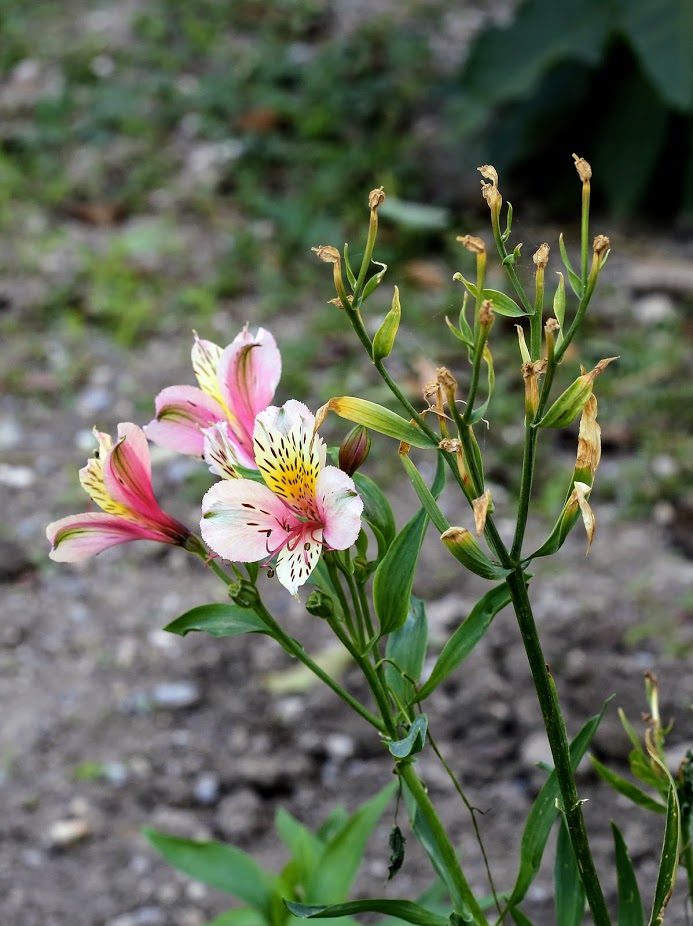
(354, 449)
(244, 594)
(541, 256)
(328, 254)
(490, 190)
(376, 198)
(583, 168)
(460, 542)
(320, 604)
(384, 339)
(472, 243)
(601, 245)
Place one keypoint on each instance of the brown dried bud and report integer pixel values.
(486, 314)
(472, 243)
(446, 380)
(589, 450)
(480, 507)
(552, 326)
(583, 168)
(338, 302)
(354, 449)
(531, 373)
(541, 257)
(376, 198)
(329, 254)
(450, 445)
(431, 390)
(490, 190)
(601, 245)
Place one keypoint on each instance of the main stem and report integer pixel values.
(560, 747)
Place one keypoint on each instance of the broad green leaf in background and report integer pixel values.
(630, 909)
(406, 647)
(223, 867)
(243, 916)
(465, 638)
(394, 576)
(219, 620)
(544, 811)
(342, 856)
(568, 890)
(401, 909)
(661, 32)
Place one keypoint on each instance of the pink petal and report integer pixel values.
(249, 370)
(82, 535)
(220, 452)
(292, 414)
(340, 507)
(298, 558)
(243, 521)
(181, 412)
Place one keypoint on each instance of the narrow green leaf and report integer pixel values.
(465, 638)
(394, 577)
(479, 413)
(305, 847)
(379, 419)
(406, 648)
(342, 856)
(543, 814)
(520, 918)
(243, 916)
(401, 909)
(424, 493)
(502, 303)
(221, 866)
(351, 277)
(459, 335)
(669, 859)
(575, 281)
(374, 281)
(630, 909)
(218, 620)
(413, 742)
(376, 511)
(627, 788)
(569, 893)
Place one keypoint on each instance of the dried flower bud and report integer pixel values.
(376, 198)
(431, 390)
(472, 243)
(446, 380)
(450, 445)
(338, 302)
(329, 254)
(552, 326)
(541, 257)
(480, 507)
(578, 499)
(490, 190)
(601, 244)
(354, 449)
(589, 450)
(583, 168)
(531, 373)
(486, 313)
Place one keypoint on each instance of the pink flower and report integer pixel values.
(234, 385)
(303, 507)
(119, 479)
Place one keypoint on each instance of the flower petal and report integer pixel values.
(339, 507)
(243, 521)
(248, 372)
(181, 411)
(205, 356)
(298, 558)
(82, 535)
(220, 453)
(288, 454)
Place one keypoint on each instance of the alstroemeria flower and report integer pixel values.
(119, 479)
(235, 384)
(303, 508)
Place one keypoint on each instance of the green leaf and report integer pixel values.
(394, 577)
(520, 918)
(377, 512)
(401, 909)
(424, 493)
(502, 304)
(543, 814)
(415, 216)
(630, 909)
(539, 36)
(244, 916)
(406, 647)
(351, 277)
(627, 788)
(575, 281)
(569, 893)
(219, 620)
(465, 638)
(305, 847)
(342, 856)
(379, 419)
(221, 866)
(661, 33)
(478, 413)
(669, 859)
(413, 742)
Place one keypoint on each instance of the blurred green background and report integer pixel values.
(167, 164)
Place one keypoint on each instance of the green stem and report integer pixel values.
(585, 232)
(560, 747)
(367, 255)
(348, 620)
(462, 895)
(535, 321)
(509, 268)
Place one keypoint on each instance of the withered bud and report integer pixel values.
(531, 371)
(446, 380)
(601, 245)
(486, 314)
(431, 390)
(338, 302)
(329, 254)
(480, 507)
(376, 198)
(472, 243)
(541, 257)
(583, 168)
(450, 445)
(354, 449)
(589, 450)
(552, 326)
(490, 190)
(488, 172)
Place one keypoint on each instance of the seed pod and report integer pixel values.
(384, 339)
(569, 405)
(464, 548)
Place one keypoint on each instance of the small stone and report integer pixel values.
(339, 746)
(654, 308)
(116, 773)
(176, 695)
(64, 833)
(206, 788)
(535, 749)
(143, 916)
(178, 823)
(239, 814)
(16, 477)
